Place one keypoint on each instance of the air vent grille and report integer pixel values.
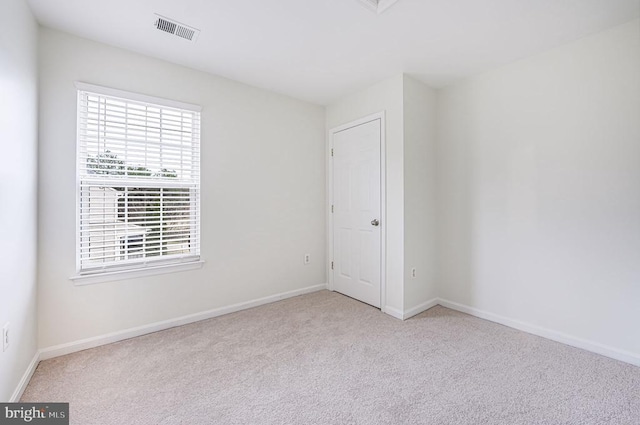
(176, 28)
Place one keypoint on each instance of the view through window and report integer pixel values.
(139, 183)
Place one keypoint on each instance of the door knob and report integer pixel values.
(375, 222)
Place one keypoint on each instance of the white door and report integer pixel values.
(356, 212)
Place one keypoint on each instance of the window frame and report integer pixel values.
(142, 268)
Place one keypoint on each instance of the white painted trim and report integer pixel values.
(110, 276)
(594, 347)
(377, 116)
(393, 312)
(84, 344)
(383, 210)
(399, 314)
(419, 308)
(108, 91)
(22, 385)
(383, 201)
(329, 221)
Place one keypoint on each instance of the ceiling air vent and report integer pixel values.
(176, 28)
(378, 6)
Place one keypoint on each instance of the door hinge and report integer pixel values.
(332, 265)
(331, 208)
(331, 151)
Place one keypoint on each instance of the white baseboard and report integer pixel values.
(420, 308)
(22, 385)
(393, 312)
(72, 347)
(399, 314)
(84, 344)
(614, 353)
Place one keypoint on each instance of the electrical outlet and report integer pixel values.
(5, 337)
(307, 258)
(413, 273)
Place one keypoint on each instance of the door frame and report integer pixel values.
(383, 200)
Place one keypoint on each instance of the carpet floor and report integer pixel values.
(324, 358)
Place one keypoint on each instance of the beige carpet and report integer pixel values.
(326, 359)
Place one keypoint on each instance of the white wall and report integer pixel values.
(263, 193)
(18, 177)
(384, 96)
(419, 112)
(539, 190)
(410, 193)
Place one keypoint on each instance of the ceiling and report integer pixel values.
(321, 50)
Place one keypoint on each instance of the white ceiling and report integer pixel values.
(321, 50)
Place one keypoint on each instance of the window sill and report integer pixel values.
(111, 276)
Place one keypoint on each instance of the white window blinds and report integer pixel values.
(139, 181)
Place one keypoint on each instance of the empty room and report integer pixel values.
(320, 212)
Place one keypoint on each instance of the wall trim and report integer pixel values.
(111, 276)
(22, 385)
(108, 91)
(394, 312)
(84, 344)
(594, 347)
(420, 308)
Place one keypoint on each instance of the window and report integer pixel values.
(138, 182)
